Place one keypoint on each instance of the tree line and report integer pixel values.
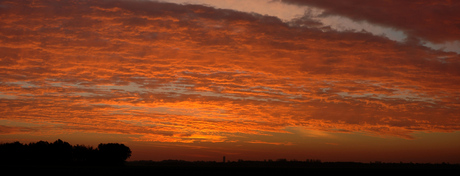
(61, 152)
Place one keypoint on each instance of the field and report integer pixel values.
(229, 168)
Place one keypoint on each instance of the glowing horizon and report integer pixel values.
(197, 82)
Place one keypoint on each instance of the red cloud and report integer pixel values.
(185, 73)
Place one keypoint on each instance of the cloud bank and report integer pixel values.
(185, 73)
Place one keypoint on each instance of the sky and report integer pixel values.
(332, 80)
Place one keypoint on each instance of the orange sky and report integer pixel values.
(197, 82)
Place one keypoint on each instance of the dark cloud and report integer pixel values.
(432, 20)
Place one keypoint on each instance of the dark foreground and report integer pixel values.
(232, 168)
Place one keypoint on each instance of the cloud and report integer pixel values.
(186, 73)
(434, 21)
(270, 143)
(14, 130)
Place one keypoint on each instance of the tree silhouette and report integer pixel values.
(12, 152)
(113, 153)
(60, 152)
(38, 152)
(83, 154)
